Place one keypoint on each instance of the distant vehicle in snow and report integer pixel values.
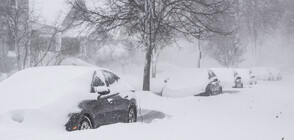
(229, 78)
(275, 73)
(84, 97)
(267, 73)
(252, 78)
(192, 82)
(262, 73)
(247, 76)
(238, 80)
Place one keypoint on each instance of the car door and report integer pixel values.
(102, 107)
(119, 99)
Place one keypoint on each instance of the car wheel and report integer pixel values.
(220, 90)
(208, 91)
(132, 115)
(85, 123)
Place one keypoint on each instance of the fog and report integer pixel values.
(266, 35)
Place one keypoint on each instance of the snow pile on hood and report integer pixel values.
(226, 76)
(186, 83)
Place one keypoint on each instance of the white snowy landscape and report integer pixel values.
(263, 111)
(147, 69)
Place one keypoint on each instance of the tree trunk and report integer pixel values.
(17, 52)
(4, 59)
(199, 54)
(154, 68)
(146, 80)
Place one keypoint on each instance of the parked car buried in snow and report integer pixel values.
(276, 74)
(228, 77)
(267, 73)
(252, 78)
(192, 82)
(247, 76)
(238, 80)
(75, 97)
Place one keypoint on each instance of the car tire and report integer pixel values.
(220, 90)
(132, 115)
(85, 123)
(208, 91)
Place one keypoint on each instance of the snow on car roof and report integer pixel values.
(243, 72)
(36, 87)
(188, 78)
(225, 75)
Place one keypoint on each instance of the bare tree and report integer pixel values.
(260, 18)
(16, 20)
(151, 21)
(226, 50)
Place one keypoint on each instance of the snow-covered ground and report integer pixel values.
(260, 112)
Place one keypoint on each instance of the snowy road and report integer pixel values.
(261, 112)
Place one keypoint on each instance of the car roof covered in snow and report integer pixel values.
(36, 87)
(225, 75)
(188, 77)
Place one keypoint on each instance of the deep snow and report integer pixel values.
(260, 112)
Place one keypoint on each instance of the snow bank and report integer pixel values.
(264, 112)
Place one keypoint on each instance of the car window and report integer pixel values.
(97, 81)
(110, 78)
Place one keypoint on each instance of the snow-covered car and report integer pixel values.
(247, 76)
(252, 78)
(75, 97)
(238, 80)
(267, 73)
(275, 73)
(192, 82)
(226, 76)
(262, 73)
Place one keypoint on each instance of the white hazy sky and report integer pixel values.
(50, 10)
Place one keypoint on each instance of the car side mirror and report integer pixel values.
(102, 90)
